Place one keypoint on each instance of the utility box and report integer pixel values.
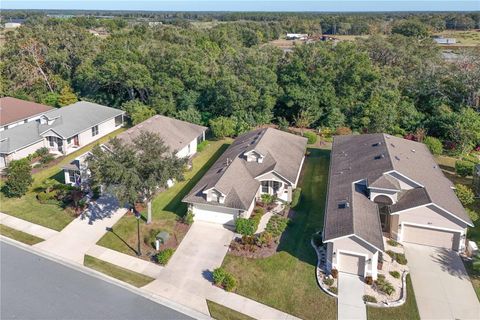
(161, 238)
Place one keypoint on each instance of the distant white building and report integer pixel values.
(442, 40)
(12, 25)
(297, 36)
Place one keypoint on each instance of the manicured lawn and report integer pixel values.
(19, 235)
(286, 280)
(219, 312)
(408, 311)
(133, 278)
(47, 215)
(167, 207)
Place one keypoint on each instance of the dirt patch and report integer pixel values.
(239, 249)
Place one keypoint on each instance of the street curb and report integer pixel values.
(81, 268)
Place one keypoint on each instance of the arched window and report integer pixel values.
(384, 202)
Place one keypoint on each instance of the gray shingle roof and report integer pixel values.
(69, 121)
(411, 198)
(78, 117)
(367, 157)
(176, 134)
(232, 175)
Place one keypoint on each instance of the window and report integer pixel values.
(94, 131)
(264, 186)
(69, 140)
(51, 141)
(118, 120)
(275, 186)
(71, 176)
(25, 121)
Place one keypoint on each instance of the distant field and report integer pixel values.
(464, 38)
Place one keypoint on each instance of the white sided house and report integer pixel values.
(263, 161)
(62, 130)
(180, 137)
(381, 187)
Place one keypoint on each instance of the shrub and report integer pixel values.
(464, 168)
(218, 275)
(268, 198)
(333, 290)
(334, 273)
(246, 227)
(258, 211)
(464, 194)
(296, 197)
(400, 258)
(222, 127)
(45, 159)
(229, 282)
(202, 145)
(164, 256)
(369, 280)
(19, 178)
(395, 274)
(43, 151)
(392, 242)
(188, 217)
(384, 285)
(264, 239)
(472, 214)
(317, 239)
(311, 137)
(276, 225)
(328, 281)
(47, 197)
(391, 253)
(283, 124)
(343, 131)
(369, 298)
(434, 145)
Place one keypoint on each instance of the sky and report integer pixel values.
(247, 5)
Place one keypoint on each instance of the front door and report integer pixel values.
(75, 141)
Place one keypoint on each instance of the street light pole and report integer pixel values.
(137, 215)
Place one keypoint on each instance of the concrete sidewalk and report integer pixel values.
(125, 261)
(83, 233)
(27, 227)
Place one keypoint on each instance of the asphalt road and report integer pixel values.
(33, 287)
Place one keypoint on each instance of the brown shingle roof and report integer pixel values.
(13, 110)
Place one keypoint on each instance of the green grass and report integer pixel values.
(47, 215)
(19, 235)
(286, 280)
(167, 206)
(135, 279)
(219, 312)
(407, 311)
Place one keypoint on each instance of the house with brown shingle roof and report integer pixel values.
(14, 112)
(262, 161)
(381, 186)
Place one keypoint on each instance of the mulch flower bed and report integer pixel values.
(239, 249)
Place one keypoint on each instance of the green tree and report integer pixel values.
(411, 28)
(138, 111)
(135, 171)
(222, 127)
(19, 178)
(466, 131)
(434, 145)
(67, 97)
(190, 115)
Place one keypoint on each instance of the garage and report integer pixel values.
(431, 237)
(224, 216)
(351, 263)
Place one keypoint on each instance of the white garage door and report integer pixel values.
(211, 215)
(431, 237)
(351, 263)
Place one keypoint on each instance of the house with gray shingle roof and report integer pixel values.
(381, 187)
(62, 130)
(262, 161)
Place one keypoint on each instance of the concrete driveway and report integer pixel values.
(442, 287)
(350, 297)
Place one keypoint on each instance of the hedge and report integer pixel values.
(311, 137)
(464, 168)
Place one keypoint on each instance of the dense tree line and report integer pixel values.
(229, 73)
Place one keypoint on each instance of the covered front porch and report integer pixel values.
(281, 190)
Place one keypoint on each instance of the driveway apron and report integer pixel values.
(442, 287)
(350, 297)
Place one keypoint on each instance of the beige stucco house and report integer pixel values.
(381, 187)
(262, 161)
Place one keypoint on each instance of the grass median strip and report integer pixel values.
(19, 235)
(136, 279)
(219, 312)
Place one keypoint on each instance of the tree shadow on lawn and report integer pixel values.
(309, 211)
(176, 205)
